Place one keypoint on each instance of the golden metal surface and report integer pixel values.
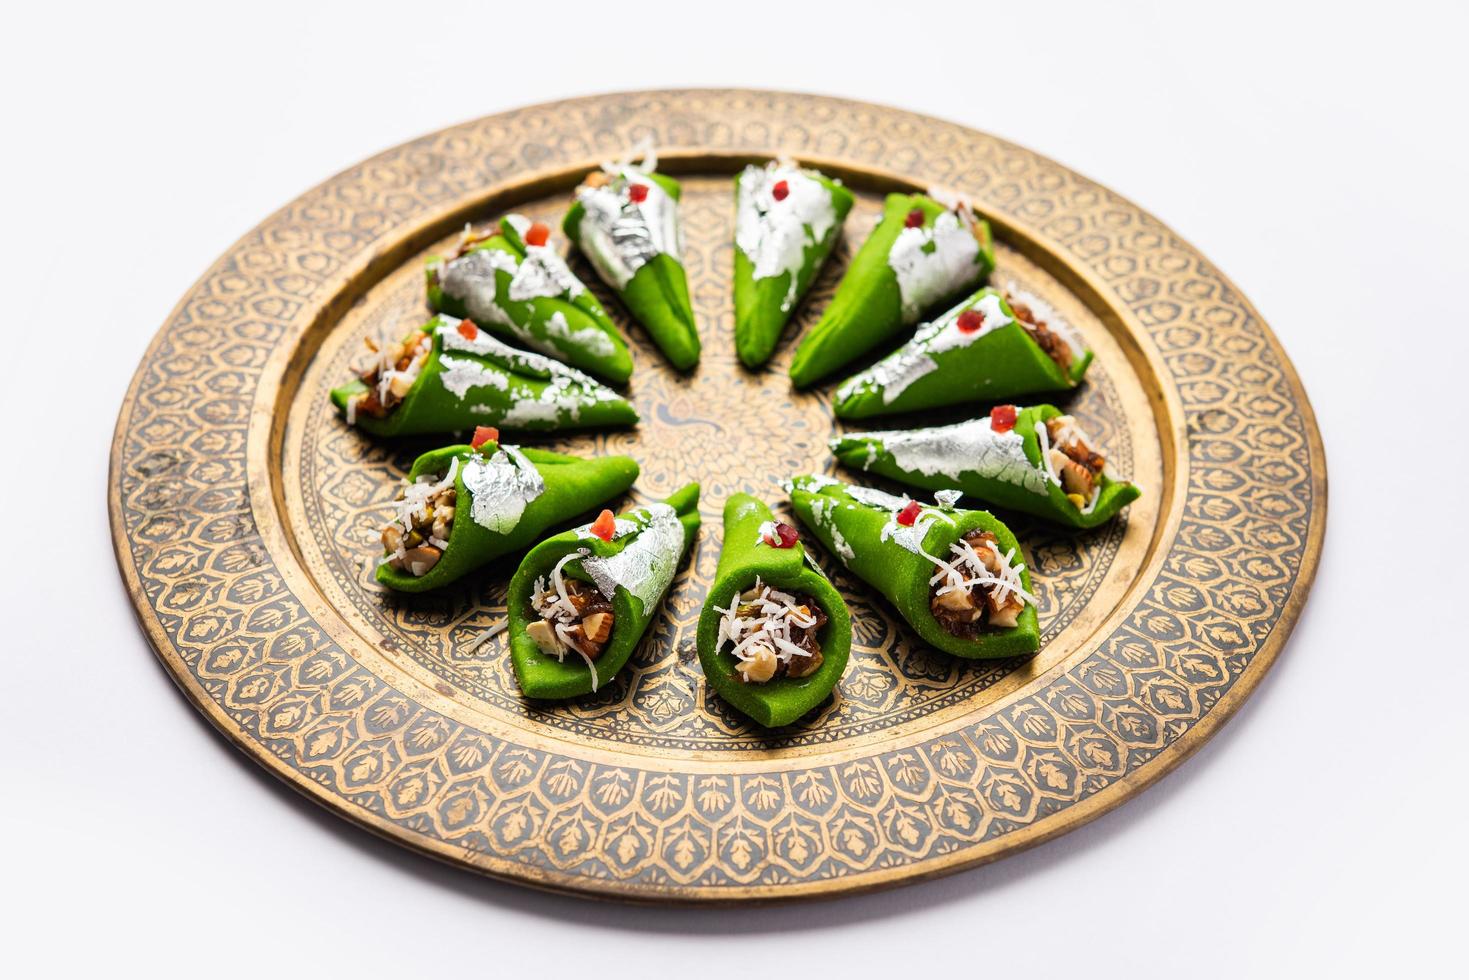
(243, 511)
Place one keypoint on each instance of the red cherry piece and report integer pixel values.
(468, 330)
(781, 190)
(484, 434)
(637, 193)
(970, 321)
(537, 234)
(915, 219)
(909, 514)
(786, 536)
(1002, 418)
(605, 526)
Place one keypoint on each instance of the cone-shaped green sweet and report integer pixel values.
(526, 294)
(471, 379)
(953, 360)
(633, 571)
(1002, 468)
(746, 557)
(919, 256)
(506, 497)
(859, 525)
(786, 221)
(629, 230)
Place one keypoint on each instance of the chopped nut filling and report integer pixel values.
(390, 374)
(1074, 463)
(772, 633)
(1048, 340)
(415, 540)
(575, 617)
(979, 588)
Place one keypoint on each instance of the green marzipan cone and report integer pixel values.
(937, 367)
(867, 310)
(657, 295)
(970, 457)
(501, 387)
(763, 306)
(852, 529)
(543, 676)
(571, 326)
(746, 557)
(572, 486)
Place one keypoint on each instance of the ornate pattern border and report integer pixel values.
(1235, 569)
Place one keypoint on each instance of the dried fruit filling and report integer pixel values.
(772, 633)
(575, 616)
(415, 540)
(978, 588)
(1055, 347)
(390, 374)
(1072, 461)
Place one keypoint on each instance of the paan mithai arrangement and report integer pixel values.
(774, 635)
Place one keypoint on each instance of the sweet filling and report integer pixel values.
(389, 374)
(772, 633)
(1054, 345)
(1071, 460)
(574, 616)
(416, 538)
(977, 588)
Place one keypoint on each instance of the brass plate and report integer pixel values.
(243, 511)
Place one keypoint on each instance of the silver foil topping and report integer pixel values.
(567, 389)
(646, 566)
(773, 234)
(968, 447)
(892, 375)
(543, 273)
(619, 235)
(501, 487)
(947, 499)
(932, 262)
(471, 280)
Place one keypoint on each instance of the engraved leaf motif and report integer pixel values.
(908, 830)
(862, 779)
(458, 810)
(741, 853)
(1098, 753)
(570, 838)
(664, 796)
(712, 796)
(1053, 775)
(322, 742)
(811, 790)
(613, 789)
(683, 852)
(467, 755)
(513, 826)
(854, 841)
(765, 794)
(627, 847)
(410, 791)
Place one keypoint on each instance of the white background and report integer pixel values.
(1317, 155)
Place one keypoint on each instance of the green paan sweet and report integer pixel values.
(992, 345)
(774, 634)
(920, 255)
(515, 285)
(955, 575)
(625, 220)
(786, 221)
(464, 506)
(449, 376)
(1035, 460)
(582, 600)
